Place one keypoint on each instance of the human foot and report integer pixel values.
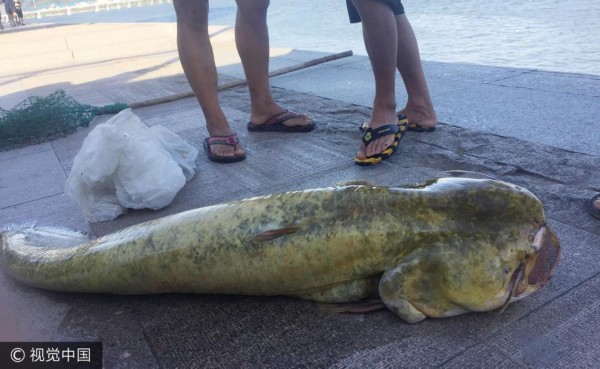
(410, 125)
(282, 120)
(223, 146)
(379, 143)
(419, 119)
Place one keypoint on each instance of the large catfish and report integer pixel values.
(438, 249)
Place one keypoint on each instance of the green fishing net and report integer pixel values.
(39, 119)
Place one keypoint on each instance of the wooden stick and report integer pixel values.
(241, 82)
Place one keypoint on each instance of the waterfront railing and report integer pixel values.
(86, 8)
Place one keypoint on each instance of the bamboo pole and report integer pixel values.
(241, 82)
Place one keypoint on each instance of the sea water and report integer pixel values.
(554, 35)
(541, 34)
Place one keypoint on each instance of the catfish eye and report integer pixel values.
(506, 270)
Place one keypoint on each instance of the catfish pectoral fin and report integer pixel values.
(357, 307)
(274, 233)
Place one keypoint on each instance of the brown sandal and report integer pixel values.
(230, 140)
(275, 123)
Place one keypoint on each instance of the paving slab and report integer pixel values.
(562, 334)
(481, 356)
(529, 115)
(575, 84)
(29, 177)
(34, 318)
(524, 112)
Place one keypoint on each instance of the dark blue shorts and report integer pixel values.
(396, 6)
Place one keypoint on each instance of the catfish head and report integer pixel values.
(537, 268)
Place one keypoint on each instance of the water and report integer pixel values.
(553, 35)
(541, 34)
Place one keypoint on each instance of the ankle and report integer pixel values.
(218, 126)
(265, 108)
(424, 110)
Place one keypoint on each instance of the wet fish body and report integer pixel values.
(441, 248)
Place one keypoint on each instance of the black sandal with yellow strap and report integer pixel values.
(402, 119)
(371, 135)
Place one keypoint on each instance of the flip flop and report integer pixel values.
(595, 212)
(230, 140)
(415, 127)
(275, 123)
(372, 134)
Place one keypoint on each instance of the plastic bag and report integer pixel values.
(124, 164)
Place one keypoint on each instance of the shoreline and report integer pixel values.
(528, 50)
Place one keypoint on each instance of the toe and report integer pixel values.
(223, 150)
(377, 146)
(300, 120)
(239, 150)
(361, 154)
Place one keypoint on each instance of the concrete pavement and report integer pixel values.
(533, 128)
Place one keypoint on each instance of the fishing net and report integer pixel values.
(39, 119)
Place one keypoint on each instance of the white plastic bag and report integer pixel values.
(124, 164)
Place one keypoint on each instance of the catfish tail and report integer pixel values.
(25, 247)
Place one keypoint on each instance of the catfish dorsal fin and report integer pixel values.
(464, 174)
(355, 182)
(274, 233)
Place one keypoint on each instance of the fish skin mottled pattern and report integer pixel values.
(343, 236)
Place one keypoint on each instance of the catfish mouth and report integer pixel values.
(546, 258)
(537, 269)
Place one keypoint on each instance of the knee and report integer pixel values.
(253, 9)
(192, 13)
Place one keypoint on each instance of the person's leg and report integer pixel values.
(380, 36)
(197, 60)
(419, 108)
(252, 41)
(11, 17)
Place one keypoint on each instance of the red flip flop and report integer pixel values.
(230, 140)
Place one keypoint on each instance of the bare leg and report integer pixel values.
(252, 41)
(419, 108)
(197, 60)
(380, 35)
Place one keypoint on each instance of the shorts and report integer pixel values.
(396, 6)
